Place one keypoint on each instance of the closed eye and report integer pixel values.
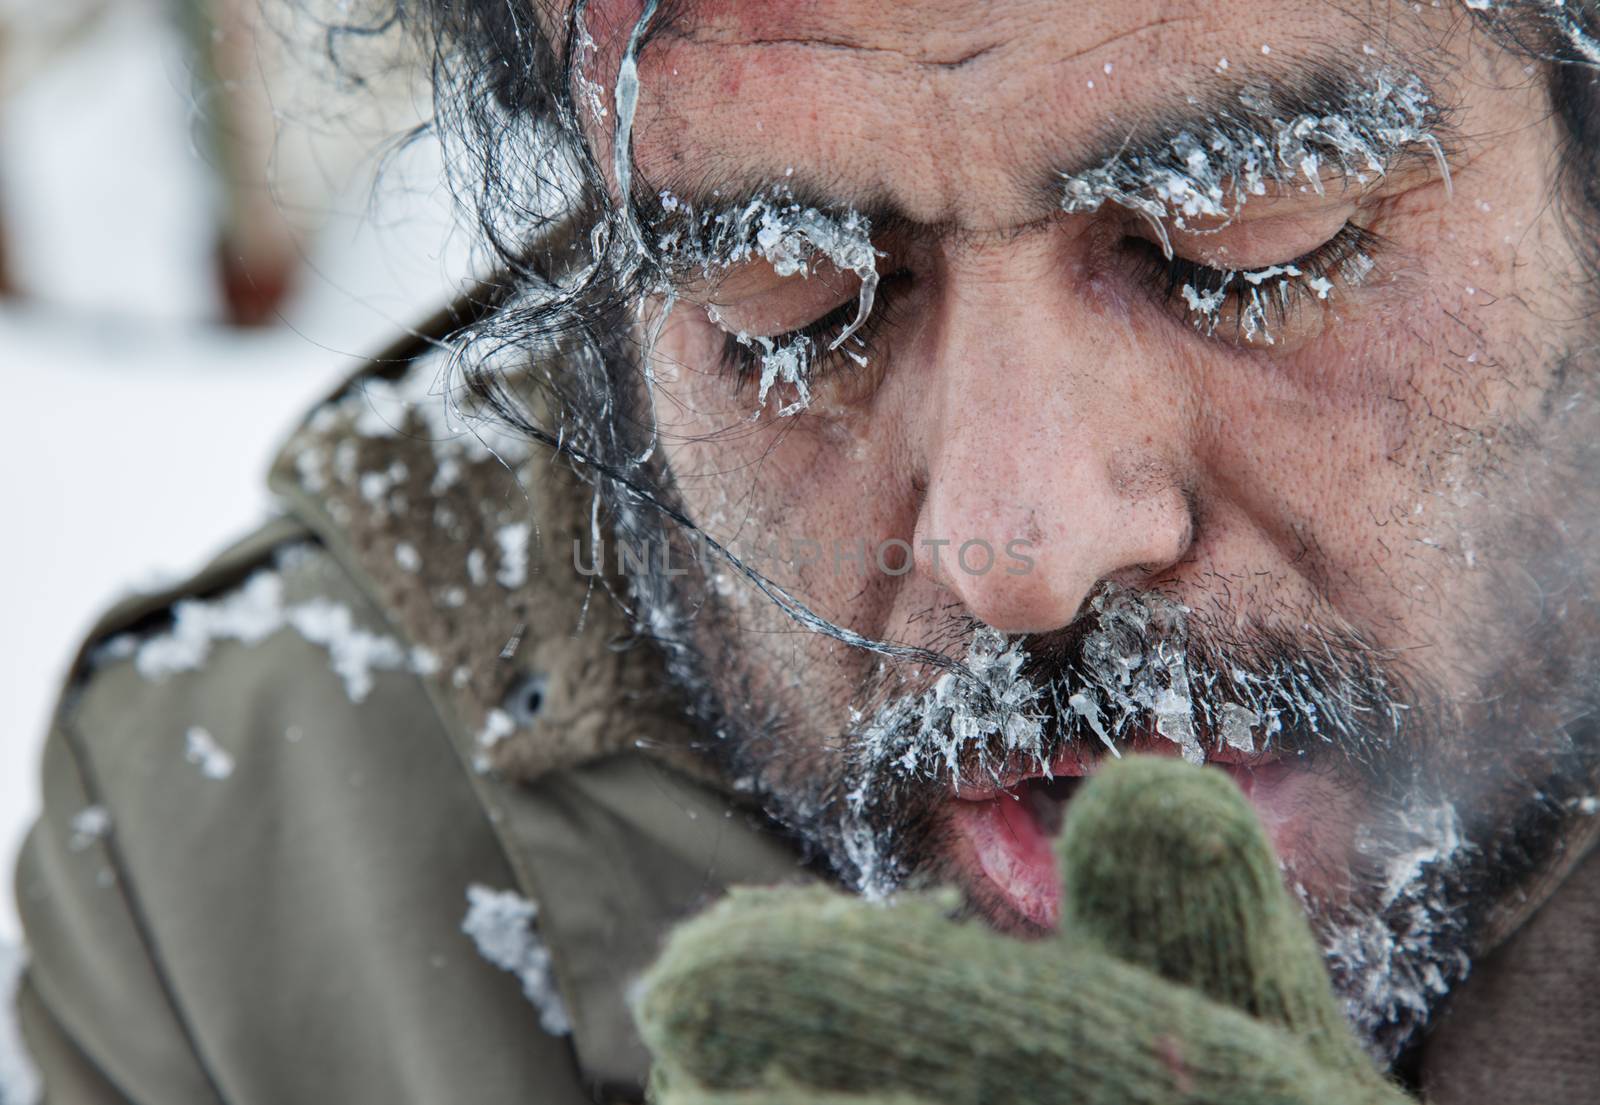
(1250, 306)
(744, 355)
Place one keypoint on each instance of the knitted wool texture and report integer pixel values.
(1182, 972)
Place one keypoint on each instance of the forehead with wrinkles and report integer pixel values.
(950, 112)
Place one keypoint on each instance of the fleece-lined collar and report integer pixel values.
(465, 537)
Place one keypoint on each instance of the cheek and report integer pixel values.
(1395, 456)
(809, 501)
(1314, 467)
(721, 450)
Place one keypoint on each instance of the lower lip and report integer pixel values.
(1014, 853)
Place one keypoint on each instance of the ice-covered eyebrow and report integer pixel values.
(1312, 128)
(1230, 138)
(698, 229)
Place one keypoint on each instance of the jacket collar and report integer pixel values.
(1523, 1025)
(466, 537)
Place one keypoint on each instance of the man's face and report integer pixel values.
(1308, 498)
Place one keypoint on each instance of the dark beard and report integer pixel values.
(1436, 857)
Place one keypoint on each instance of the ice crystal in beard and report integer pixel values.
(987, 706)
(989, 716)
(1135, 669)
(1395, 956)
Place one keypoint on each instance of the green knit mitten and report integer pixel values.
(1183, 971)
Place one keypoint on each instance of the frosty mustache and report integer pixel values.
(1139, 666)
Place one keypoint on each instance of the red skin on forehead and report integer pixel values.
(737, 19)
(934, 32)
(611, 21)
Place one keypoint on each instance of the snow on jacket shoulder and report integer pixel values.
(358, 814)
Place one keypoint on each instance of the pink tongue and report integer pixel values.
(1012, 849)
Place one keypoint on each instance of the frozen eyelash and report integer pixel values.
(788, 363)
(791, 237)
(795, 358)
(1261, 299)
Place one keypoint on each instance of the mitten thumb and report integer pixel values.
(1165, 865)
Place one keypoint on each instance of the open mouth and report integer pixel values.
(1008, 833)
(1008, 829)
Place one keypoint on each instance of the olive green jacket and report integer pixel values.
(268, 790)
(296, 763)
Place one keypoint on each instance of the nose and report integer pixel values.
(1055, 456)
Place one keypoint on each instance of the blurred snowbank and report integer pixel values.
(19, 1083)
(138, 435)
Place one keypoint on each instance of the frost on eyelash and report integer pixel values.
(789, 363)
(790, 240)
(788, 235)
(1212, 173)
(1206, 307)
(791, 237)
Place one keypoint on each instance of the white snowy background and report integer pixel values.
(137, 431)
